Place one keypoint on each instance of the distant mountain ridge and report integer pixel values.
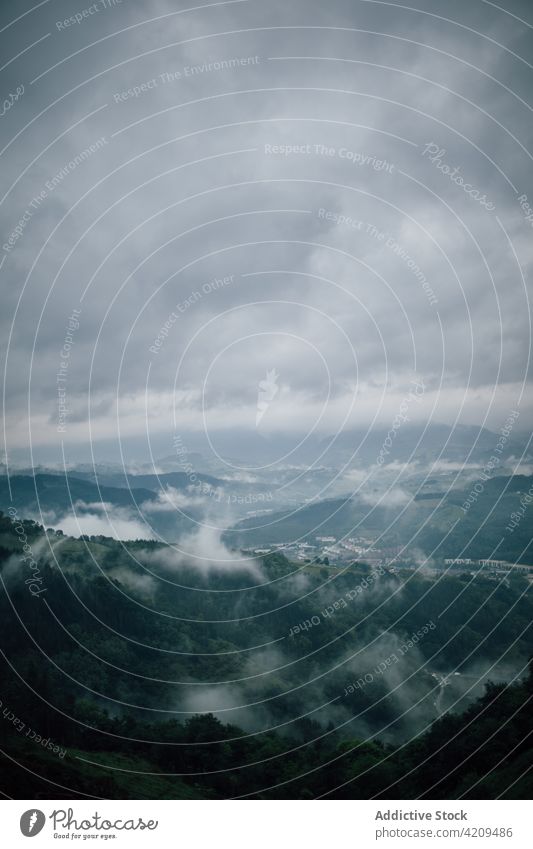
(57, 492)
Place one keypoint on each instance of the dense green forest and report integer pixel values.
(128, 672)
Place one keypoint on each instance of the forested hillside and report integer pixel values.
(133, 674)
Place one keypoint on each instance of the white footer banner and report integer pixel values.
(266, 824)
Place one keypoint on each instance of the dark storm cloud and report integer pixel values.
(259, 179)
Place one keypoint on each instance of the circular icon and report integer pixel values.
(32, 822)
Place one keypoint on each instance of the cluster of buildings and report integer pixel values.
(491, 568)
(334, 551)
(339, 552)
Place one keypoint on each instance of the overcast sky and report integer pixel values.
(193, 167)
